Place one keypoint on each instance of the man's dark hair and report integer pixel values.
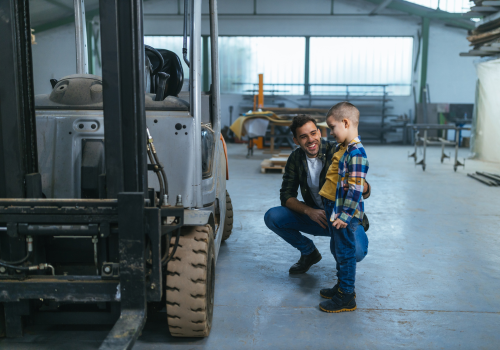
(299, 121)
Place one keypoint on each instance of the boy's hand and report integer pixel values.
(338, 224)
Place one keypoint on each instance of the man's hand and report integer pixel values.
(366, 189)
(317, 215)
(338, 224)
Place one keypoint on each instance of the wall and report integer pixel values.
(451, 78)
(486, 143)
(54, 56)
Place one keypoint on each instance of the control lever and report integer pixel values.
(161, 81)
(53, 82)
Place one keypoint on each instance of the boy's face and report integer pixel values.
(338, 128)
(308, 138)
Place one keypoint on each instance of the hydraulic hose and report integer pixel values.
(29, 268)
(160, 166)
(152, 161)
(184, 46)
(153, 158)
(15, 262)
(21, 268)
(166, 258)
(29, 243)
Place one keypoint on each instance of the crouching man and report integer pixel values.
(306, 168)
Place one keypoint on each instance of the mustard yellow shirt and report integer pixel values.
(329, 189)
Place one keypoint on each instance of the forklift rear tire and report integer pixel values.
(228, 221)
(191, 282)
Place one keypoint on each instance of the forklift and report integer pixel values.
(113, 198)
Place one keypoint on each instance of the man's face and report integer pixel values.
(338, 128)
(308, 138)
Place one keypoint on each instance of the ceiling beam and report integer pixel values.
(380, 7)
(456, 19)
(65, 20)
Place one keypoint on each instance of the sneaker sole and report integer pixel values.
(301, 272)
(337, 311)
(324, 296)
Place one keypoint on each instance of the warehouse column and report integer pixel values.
(425, 55)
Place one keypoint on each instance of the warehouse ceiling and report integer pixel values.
(48, 14)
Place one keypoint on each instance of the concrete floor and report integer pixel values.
(431, 278)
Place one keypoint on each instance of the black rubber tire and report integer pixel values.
(191, 283)
(228, 221)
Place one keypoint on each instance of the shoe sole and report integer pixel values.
(301, 272)
(324, 296)
(337, 311)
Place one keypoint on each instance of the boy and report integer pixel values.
(344, 208)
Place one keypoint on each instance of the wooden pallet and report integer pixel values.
(277, 163)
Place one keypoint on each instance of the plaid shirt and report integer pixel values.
(353, 167)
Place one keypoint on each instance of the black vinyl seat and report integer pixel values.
(167, 62)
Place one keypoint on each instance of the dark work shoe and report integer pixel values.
(305, 262)
(340, 302)
(328, 293)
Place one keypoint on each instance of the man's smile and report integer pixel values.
(312, 147)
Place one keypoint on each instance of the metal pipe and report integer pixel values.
(195, 92)
(425, 149)
(214, 46)
(81, 38)
(58, 230)
(53, 202)
(94, 241)
(184, 34)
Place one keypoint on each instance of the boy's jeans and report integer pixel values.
(289, 224)
(343, 247)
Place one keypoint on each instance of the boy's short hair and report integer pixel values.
(344, 110)
(299, 121)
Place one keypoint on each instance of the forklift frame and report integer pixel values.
(124, 219)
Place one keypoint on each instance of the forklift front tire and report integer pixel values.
(191, 282)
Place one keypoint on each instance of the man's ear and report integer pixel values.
(295, 141)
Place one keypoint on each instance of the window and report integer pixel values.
(280, 59)
(460, 6)
(332, 61)
(361, 61)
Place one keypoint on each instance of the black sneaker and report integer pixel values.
(328, 293)
(305, 262)
(340, 302)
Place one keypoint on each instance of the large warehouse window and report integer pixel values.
(280, 59)
(332, 61)
(363, 61)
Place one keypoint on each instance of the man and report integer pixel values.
(306, 168)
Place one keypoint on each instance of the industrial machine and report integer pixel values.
(113, 198)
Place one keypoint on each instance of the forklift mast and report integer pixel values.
(126, 221)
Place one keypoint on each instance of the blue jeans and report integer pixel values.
(289, 224)
(343, 247)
